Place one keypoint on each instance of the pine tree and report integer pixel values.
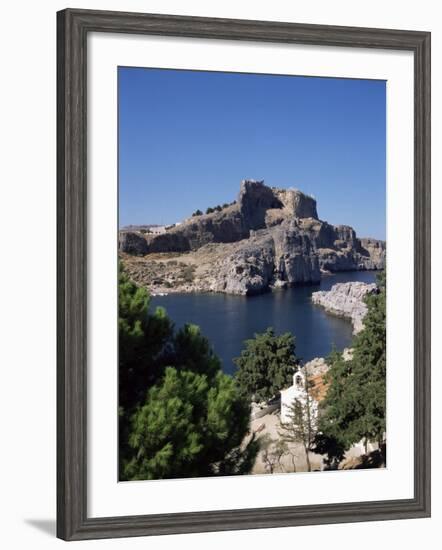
(354, 407)
(190, 427)
(142, 338)
(179, 415)
(266, 365)
(192, 351)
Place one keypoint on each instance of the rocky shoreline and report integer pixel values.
(268, 238)
(346, 300)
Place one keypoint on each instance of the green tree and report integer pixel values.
(179, 415)
(190, 426)
(354, 407)
(197, 213)
(142, 338)
(210, 210)
(266, 365)
(332, 447)
(192, 351)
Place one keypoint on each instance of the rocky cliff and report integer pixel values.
(346, 300)
(257, 207)
(268, 238)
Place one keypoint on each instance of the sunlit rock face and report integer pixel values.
(346, 300)
(274, 239)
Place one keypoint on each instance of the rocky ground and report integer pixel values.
(268, 427)
(346, 300)
(164, 273)
(267, 238)
(201, 270)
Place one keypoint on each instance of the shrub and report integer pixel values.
(266, 365)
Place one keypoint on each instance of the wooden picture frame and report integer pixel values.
(73, 26)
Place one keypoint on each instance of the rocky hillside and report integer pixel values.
(268, 238)
(346, 300)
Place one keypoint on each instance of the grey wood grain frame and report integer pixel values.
(73, 27)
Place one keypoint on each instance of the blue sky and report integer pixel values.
(187, 139)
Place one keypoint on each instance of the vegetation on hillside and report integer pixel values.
(212, 209)
(179, 414)
(354, 406)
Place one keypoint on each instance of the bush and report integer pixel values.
(188, 273)
(266, 365)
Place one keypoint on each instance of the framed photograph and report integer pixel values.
(243, 274)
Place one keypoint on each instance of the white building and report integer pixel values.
(297, 392)
(317, 391)
(157, 229)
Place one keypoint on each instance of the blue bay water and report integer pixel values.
(229, 320)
